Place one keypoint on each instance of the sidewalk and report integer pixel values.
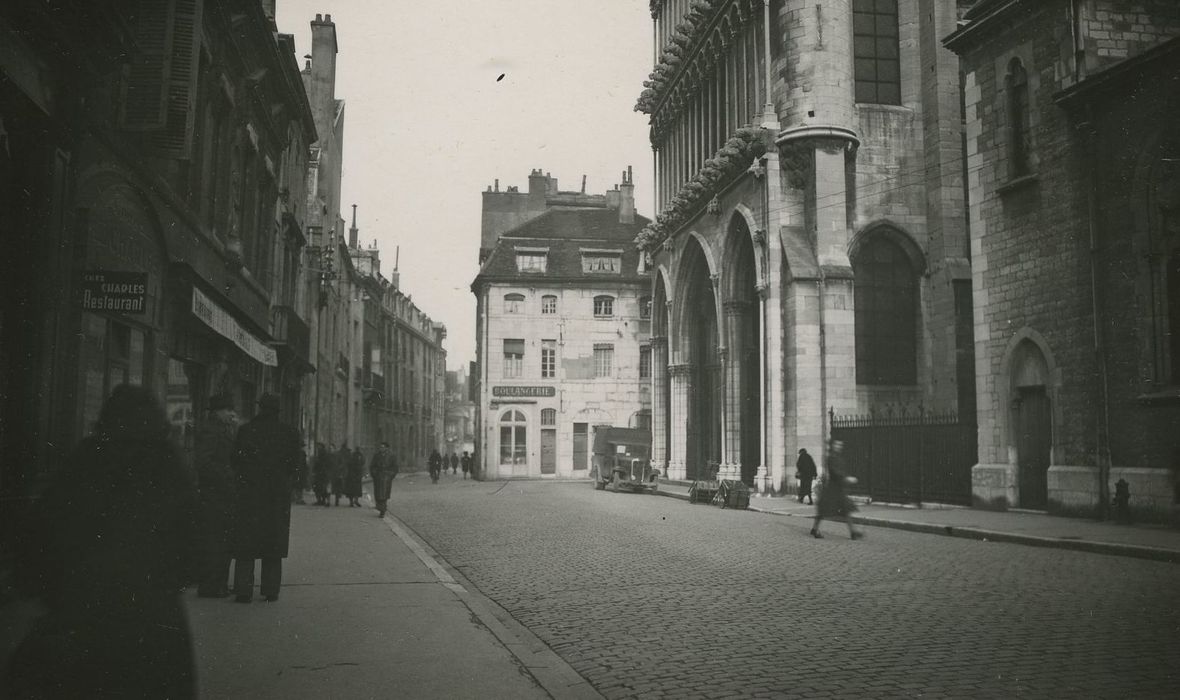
(367, 610)
(1036, 529)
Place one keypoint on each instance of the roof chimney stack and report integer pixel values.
(352, 232)
(627, 199)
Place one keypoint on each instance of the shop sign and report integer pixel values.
(220, 321)
(524, 391)
(121, 292)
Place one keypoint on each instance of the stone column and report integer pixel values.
(659, 411)
(680, 378)
(735, 320)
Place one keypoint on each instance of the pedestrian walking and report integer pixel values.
(214, 445)
(354, 481)
(106, 549)
(833, 495)
(340, 460)
(300, 481)
(454, 460)
(465, 460)
(435, 464)
(321, 474)
(266, 458)
(383, 469)
(805, 472)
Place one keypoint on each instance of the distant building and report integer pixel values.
(1073, 152)
(563, 320)
(399, 373)
(459, 427)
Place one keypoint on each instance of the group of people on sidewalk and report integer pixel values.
(336, 473)
(126, 526)
(438, 464)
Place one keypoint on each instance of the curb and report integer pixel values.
(1121, 550)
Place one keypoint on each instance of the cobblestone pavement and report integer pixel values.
(654, 597)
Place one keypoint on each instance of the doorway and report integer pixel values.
(548, 451)
(1034, 442)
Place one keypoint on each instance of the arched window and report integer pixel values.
(513, 303)
(886, 300)
(1016, 85)
(513, 440)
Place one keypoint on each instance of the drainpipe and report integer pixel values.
(1102, 428)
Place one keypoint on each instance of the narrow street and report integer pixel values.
(653, 597)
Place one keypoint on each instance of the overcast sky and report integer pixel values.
(428, 126)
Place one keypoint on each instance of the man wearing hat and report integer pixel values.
(266, 460)
(214, 447)
(805, 472)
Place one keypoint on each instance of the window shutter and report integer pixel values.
(160, 91)
(145, 87)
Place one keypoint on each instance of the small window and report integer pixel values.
(531, 262)
(602, 263)
(549, 416)
(645, 362)
(604, 306)
(1016, 83)
(604, 356)
(548, 359)
(644, 307)
(513, 303)
(513, 358)
(549, 304)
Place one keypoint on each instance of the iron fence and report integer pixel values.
(908, 455)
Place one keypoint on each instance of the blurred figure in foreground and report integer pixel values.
(266, 458)
(215, 488)
(108, 550)
(833, 495)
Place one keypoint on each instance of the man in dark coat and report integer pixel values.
(466, 461)
(454, 460)
(805, 472)
(215, 487)
(383, 469)
(435, 463)
(340, 460)
(266, 458)
(833, 494)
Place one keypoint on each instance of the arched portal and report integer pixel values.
(698, 344)
(1032, 421)
(743, 321)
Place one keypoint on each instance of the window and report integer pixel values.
(513, 357)
(549, 304)
(513, 303)
(549, 416)
(604, 306)
(1016, 86)
(602, 263)
(644, 307)
(604, 355)
(532, 261)
(513, 440)
(548, 359)
(885, 288)
(645, 362)
(875, 51)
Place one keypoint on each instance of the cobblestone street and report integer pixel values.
(654, 597)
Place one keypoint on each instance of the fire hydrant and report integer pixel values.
(1122, 501)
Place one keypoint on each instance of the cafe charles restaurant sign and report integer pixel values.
(120, 292)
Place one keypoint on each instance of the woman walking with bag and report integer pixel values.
(833, 496)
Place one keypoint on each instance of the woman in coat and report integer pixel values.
(109, 548)
(354, 481)
(833, 495)
(321, 474)
(340, 461)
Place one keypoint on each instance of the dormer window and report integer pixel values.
(535, 260)
(608, 262)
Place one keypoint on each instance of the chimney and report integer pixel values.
(583, 183)
(352, 232)
(322, 92)
(538, 189)
(627, 199)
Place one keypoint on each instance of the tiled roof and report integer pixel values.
(565, 233)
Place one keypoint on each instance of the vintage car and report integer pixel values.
(622, 459)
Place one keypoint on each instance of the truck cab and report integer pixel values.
(622, 459)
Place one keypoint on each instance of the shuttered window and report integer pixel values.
(160, 85)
